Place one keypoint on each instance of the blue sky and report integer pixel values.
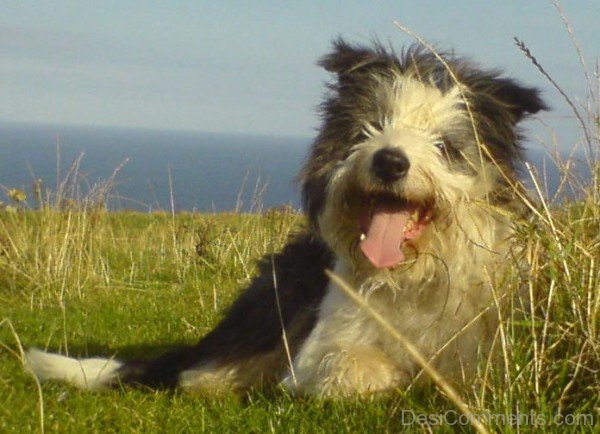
(249, 66)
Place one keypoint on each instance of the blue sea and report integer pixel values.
(164, 170)
(158, 169)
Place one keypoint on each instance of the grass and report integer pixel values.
(84, 281)
(91, 282)
(133, 285)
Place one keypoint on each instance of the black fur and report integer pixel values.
(252, 325)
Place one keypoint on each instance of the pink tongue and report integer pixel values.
(384, 237)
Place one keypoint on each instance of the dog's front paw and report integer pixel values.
(345, 371)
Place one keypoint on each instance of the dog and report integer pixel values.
(411, 195)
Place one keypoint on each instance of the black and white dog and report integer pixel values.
(411, 195)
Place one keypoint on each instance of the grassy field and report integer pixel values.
(134, 285)
(89, 282)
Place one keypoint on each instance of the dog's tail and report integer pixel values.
(90, 374)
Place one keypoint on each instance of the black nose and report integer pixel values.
(390, 164)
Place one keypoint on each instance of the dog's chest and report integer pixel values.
(428, 312)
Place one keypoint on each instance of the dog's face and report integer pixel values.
(405, 142)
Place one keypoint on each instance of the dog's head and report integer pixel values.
(405, 140)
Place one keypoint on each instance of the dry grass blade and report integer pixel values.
(284, 338)
(527, 52)
(550, 221)
(571, 33)
(20, 355)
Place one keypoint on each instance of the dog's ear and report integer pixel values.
(519, 100)
(499, 104)
(346, 58)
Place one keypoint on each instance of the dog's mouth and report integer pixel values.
(386, 224)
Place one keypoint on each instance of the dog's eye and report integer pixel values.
(441, 144)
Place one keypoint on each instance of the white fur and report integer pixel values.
(90, 374)
(430, 312)
(208, 376)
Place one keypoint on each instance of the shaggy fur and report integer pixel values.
(410, 192)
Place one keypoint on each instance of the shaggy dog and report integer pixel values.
(411, 193)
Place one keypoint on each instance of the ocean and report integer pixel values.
(159, 170)
(164, 170)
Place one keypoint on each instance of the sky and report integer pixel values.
(250, 66)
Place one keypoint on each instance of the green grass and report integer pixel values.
(134, 285)
(96, 283)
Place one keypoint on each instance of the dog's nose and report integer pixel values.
(390, 164)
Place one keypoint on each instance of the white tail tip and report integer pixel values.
(87, 374)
